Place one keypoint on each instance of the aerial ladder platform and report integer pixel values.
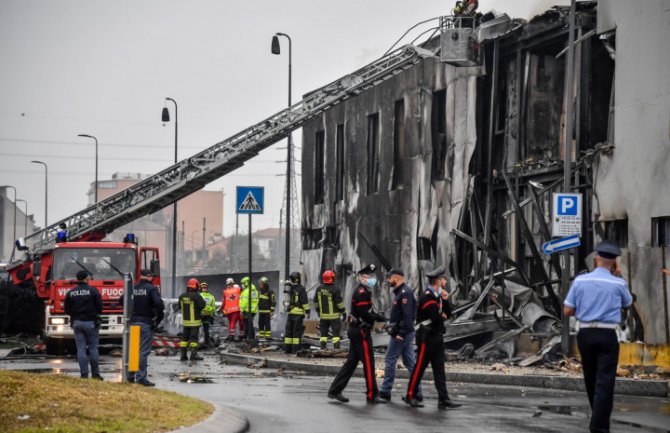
(193, 173)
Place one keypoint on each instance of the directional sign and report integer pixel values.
(561, 244)
(249, 199)
(567, 215)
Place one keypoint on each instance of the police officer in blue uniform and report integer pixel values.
(401, 330)
(148, 312)
(433, 309)
(361, 319)
(596, 300)
(83, 304)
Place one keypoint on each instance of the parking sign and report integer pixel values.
(566, 215)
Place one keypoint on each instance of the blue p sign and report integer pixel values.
(567, 205)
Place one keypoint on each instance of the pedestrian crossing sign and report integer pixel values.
(250, 199)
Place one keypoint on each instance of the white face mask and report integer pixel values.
(370, 282)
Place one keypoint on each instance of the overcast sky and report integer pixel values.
(104, 68)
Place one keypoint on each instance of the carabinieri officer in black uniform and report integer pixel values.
(596, 300)
(433, 309)
(361, 320)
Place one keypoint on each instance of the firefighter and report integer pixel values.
(147, 314)
(231, 309)
(361, 320)
(208, 311)
(329, 305)
(297, 308)
(83, 304)
(191, 304)
(432, 310)
(249, 309)
(266, 307)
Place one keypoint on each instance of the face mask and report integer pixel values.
(371, 282)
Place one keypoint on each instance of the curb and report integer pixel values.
(223, 420)
(644, 388)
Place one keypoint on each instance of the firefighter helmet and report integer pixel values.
(264, 280)
(328, 277)
(245, 281)
(294, 277)
(230, 281)
(204, 285)
(192, 283)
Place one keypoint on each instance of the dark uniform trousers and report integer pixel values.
(189, 337)
(599, 349)
(264, 320)
(335, 326)
(293, 332)
(431, 350)
(360, 350)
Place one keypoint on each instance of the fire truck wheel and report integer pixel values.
(54, 346)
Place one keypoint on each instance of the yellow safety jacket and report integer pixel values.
(299, 303)
(210, 304)
(191, 305)
(328, 302)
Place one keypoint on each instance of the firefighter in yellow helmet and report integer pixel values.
(208, 311)
(249, 307)
(191, 305)
(328, 303)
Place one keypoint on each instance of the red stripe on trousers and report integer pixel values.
(368, 370)
(417, 368)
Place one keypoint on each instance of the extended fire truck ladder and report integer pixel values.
(192, 174)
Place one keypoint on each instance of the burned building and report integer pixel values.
(454, 161)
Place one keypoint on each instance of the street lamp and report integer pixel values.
(276, 50)
(14, 188)
(46, 190)
(25, 226)
(95, 200)
(165, 116)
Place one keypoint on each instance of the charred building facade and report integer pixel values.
(455, 165)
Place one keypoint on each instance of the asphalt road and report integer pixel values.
(275, 401)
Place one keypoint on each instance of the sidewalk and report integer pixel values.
(223, 420)
(535, 377)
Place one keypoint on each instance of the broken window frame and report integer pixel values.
(398, 176)
(319, 166)
(339, 155)
(373, 154)
(617, 231)
(439, 134)
(660, 231)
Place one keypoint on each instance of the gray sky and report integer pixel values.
(104, 68)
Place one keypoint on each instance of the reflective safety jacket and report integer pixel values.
(244, 300)
(210, 304)
(231, 299)
(266, 301)
(328, 302)
(191, 304)
(298, 304)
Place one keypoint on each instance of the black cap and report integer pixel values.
(82, 275)
(395, 271)
(146, 273)
(367, 269)
(436, 273)
(608, 250)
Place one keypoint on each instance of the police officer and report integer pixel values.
(147, 314)
(596, 299)
(266, 307)
(361, 320)
(401, 330)
(249, 307)
(297, 308)
(83, 304)
(433, 309)
(329, 305)
(207, 312)
(191, 304)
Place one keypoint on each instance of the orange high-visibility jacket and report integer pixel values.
(231, 299)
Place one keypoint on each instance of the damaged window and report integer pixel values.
(398, 144)
(439, 134)
(373, 154)
(617, 231)
(319, 174)
(660, 231)
(339, 175)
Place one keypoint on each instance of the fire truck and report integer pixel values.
(47, 260)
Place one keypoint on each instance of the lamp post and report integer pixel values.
(14, 188)
(166, 118)
(25, 224)
(289, 155)
(46, 190)
(95, 188)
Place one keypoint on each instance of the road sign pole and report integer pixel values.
(250, 267)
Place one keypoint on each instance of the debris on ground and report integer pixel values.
(330, 353)
(164, 351)
(116, 353)
(192, 378)
(379, 374)
(260, 364)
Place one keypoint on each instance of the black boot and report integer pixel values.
(336, 345)
(195, 357)
(447, 403)
(184, 357)
(323, 345)
(287, 348)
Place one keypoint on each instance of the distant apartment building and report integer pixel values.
(25, 223)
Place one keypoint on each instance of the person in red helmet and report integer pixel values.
(191, 304)
(328, 303)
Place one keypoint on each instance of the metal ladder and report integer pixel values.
(193, 173)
